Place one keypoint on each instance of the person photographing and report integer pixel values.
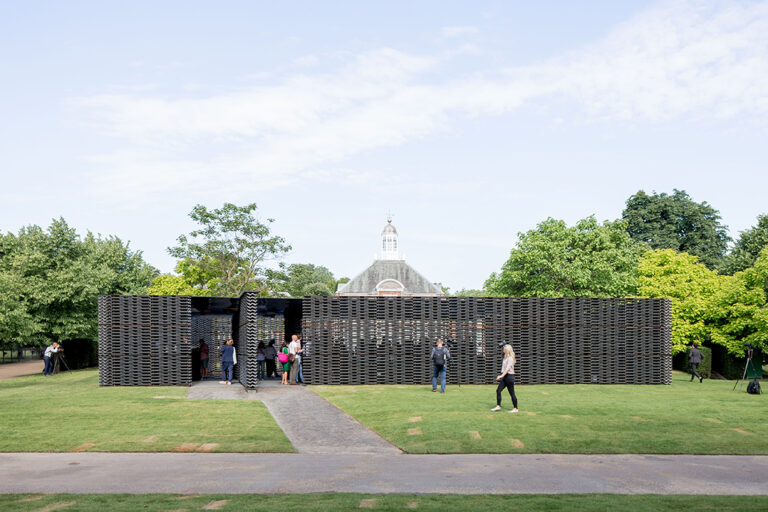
(50, 350)
(507, 378)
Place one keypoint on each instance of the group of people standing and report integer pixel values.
(267, 358)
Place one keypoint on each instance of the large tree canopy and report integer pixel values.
(587, 260)
(706, 306)
(677, 222)
(747, 247)
(229, 249)
(50, 281)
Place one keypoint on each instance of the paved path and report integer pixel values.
(10, 370)
(311, 423)
(188, 473)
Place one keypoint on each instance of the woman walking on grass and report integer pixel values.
(507, 378)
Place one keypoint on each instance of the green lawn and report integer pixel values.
(70, 411)
(684, 417)
(341, 502)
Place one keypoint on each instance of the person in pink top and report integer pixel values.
(507, 378)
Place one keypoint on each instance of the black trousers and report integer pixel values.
(694, 373)
(271, 370)
(507, 382)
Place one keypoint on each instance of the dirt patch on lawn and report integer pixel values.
(185, 447)
(713, 420)
(415, 419)
(516, 443)
(740, 431)
(367, 503)
(638, 418)
(215, 505)
(413, 505)
(415, 431)
(150, 439)
(207, 447)
(32, 498)
(475, 435)
(83, 447)
(56, 506)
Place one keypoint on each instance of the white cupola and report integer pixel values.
(389, 250)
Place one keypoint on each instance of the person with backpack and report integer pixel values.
(694, 358)
(228, 362)
(507, 378)
(50, 350)
(440, 356)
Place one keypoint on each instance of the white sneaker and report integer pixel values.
(514, 410)
(497, 408)
(222, 382)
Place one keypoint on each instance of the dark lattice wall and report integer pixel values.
(259, 322)
(383, 340)
(144, 341)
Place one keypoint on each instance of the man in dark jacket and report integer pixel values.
(694, 357)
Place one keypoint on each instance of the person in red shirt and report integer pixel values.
(204, 350)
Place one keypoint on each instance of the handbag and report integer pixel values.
(291, 357)
(282, 357)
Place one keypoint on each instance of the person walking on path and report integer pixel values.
(694, 358)
(204, 358)
(270, 354)
(50, 350)
(228, 362)
(507, 378)
(439, 356)
(285, 362)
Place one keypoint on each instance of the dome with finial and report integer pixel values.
(389, 249)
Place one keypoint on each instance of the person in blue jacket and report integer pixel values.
(228, 362)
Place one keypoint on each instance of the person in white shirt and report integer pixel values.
(294, 347)
(507, 378)
(48, 358)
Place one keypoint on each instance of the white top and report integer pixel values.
(50, 350)
(294, 347)
(508, 364)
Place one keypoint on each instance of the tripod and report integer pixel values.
(746, 366)
(60, 358)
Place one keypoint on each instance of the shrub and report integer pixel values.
(80, 353)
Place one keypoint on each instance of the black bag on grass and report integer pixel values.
(753, 388)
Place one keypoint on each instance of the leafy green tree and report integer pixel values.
(706, 306)
(50, 281)
(190, 279)
(666, 273)
(231, 245)
(302, 279)
(587, 260)
(747, 247)
(677, 222)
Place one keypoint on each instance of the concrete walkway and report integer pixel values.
(11, 370)
(196, 473)
(311, 423)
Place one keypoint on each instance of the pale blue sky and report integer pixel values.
(471, 121)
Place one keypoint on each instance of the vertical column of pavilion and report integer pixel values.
(105, 337)
(144, 341)
(255, 328)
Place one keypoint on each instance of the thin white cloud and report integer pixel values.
(458, 31)
(679, 59)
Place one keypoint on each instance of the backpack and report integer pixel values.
(753, 388)
(439, 356)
